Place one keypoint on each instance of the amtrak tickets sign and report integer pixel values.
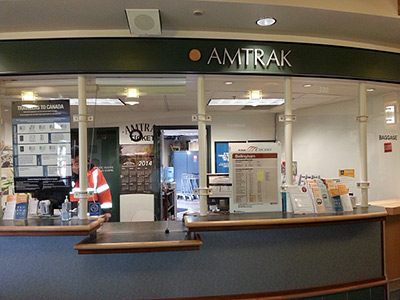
(245, 56)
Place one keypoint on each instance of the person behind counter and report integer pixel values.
(96, 182)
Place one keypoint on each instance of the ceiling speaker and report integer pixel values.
(144, 21)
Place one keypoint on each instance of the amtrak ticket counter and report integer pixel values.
(265, 255)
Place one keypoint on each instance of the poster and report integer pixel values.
(221, 157)
(255, 172)
(136, 168)
(41, 144)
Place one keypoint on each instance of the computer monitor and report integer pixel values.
(55, 194)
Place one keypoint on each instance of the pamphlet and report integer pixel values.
(325, 197)
(335, 198)
(301, 200)
(345, 198)
(21, 207)
(10, 207)
(317, 197)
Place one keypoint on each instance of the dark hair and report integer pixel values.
(75, 153)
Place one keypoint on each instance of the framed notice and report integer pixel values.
(255, 172)
(41, 144)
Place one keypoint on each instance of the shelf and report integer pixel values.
(140, 237)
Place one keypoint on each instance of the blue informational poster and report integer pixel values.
(221, 157)
(41, 144)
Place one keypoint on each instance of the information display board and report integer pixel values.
(255, 172)
(41, 144)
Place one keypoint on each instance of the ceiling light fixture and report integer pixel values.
(228, 82)
(97, 101)
(370, 90)
(131, 102)
(198, 12)
(307, 85)
(28, 96)
(244, 102)
(390, 112)
(255, 95)
(143, 81)
(267, 21)
(132, 93)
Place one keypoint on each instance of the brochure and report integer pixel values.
(21, 207)
(345, 198)
(335, 198)
(325, 197)
(317, 197)
(301, 200)
(10, 207)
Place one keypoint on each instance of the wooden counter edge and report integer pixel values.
(51, 230)
(289, 221)
(319, 291)
(392, 206)
(125, 247)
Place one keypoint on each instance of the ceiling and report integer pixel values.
(372, 24)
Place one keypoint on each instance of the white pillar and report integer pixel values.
(201, 114)
(363, 118)
(288, 132)
(83, 153)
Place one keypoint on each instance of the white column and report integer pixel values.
(288, 132)
(83, 153)
(363, 118)
(201, 113)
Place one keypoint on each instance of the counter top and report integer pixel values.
(245, 221)
(53, 226)
(128, 237)
(392, 206)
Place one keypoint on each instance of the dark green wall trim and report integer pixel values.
(171, 55)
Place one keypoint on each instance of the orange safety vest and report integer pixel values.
(98, 184)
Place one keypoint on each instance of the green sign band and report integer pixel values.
(169, 55)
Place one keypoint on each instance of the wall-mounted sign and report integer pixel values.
(255, 172)
(388, 137)
(41, 144)
(118, 55)
(247, 56)
(140, 132)
(387, 147)
(347, 173)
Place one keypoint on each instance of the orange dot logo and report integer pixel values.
(194, 55)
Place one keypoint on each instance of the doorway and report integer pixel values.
(176, 170)
(103, 151)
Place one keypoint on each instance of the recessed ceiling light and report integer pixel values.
(267, 21)
(370, 90)
(198, 12)
(228, 82)
(307, 85)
